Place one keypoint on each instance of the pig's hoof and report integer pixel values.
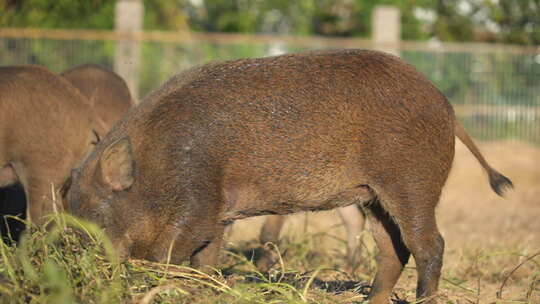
(268, 258)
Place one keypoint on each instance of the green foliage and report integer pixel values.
(71, 263)
(304, 17)
(226, 16)
(508, 21)
(319, 17)
(94, 14)
(451, 25)
(504, 21)
(165, 15)
(518, 20)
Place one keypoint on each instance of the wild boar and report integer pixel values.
(108, 96)
(301, 132)
(44, 132)
(107, 92)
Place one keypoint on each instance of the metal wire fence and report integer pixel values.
(494, 89)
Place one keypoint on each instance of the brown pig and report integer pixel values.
(302, 132)
(44, 132)
(109, 97)
(107, 92)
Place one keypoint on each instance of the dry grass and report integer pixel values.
(487, 238)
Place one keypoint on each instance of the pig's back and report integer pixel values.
(298, 100)
(296, 123)
(40, 112)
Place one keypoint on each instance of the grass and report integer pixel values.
(74, 262)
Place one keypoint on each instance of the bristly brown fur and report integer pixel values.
(48, 123)
(275, 135)
(106, 91)
(45, 130)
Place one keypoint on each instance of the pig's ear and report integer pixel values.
(116, 165)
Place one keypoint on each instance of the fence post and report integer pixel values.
(128, 20)
(386, 29)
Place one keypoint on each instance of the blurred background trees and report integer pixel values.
(90, 14)
(504, 21)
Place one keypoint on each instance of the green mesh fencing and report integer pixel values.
(496, 94)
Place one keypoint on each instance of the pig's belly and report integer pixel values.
(250, 199)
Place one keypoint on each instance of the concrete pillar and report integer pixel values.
(128, 20)
(386, 28)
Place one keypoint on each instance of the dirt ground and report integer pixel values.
(486, 235)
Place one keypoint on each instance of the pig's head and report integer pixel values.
(108, 190)
(98, 190)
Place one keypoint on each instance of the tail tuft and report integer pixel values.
(499, 183)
